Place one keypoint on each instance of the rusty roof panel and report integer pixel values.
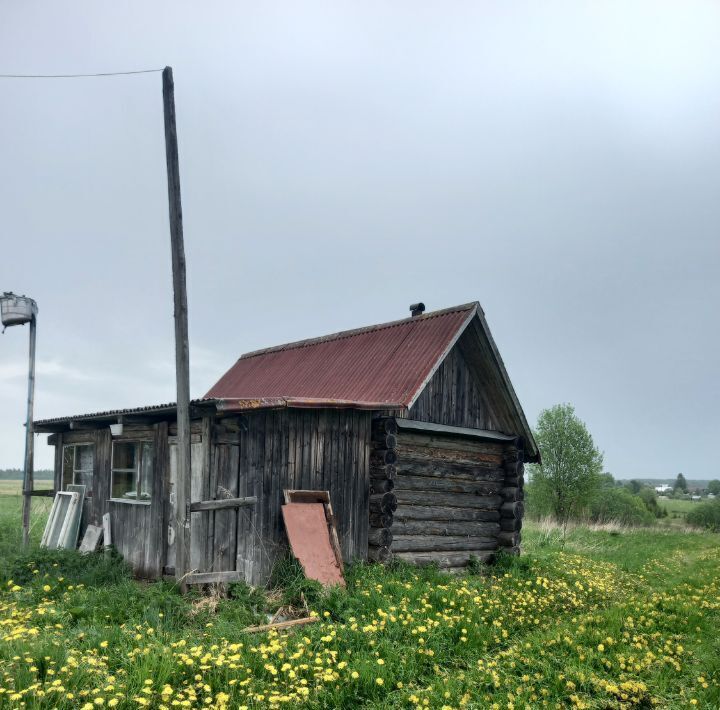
(383, 365)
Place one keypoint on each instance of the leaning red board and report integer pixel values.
(309, 536)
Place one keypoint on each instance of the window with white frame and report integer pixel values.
(78, 465)
(132, 471)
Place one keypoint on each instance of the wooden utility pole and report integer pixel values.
(29, 438)
(181, 517)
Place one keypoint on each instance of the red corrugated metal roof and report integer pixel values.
(384, 364)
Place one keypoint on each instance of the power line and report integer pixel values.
(76, 76)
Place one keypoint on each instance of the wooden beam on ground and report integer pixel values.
(212, 577)
(282, 625)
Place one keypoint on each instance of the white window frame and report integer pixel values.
(138, 467)
(75, 470)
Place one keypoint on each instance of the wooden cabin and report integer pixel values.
(412, 426)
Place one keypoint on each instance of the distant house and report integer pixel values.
(413, 427)
(663, 489)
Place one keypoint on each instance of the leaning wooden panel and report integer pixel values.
(307, 531)
(69, 532)
(58, 502)
(322, 497)
(72, 534)
(57, 520)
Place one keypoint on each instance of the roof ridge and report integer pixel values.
(341, 335)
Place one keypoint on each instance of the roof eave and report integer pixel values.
(147, 413)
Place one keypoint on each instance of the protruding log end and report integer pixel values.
(386, 503)
(384, 440)
(509, 539)
(512, 494)
(381, 520)
(379, 554)
(381, 485)
(382, 457)
(380, 537)
(512, 510)
(387, 425)
(388, 471)
(510, 524)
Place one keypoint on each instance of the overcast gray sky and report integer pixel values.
(557, 161)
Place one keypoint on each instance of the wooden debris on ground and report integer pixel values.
(279, 625)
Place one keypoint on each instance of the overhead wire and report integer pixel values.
(77, 76)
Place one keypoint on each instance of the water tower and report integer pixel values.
(19, 310)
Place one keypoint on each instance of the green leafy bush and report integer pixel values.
(619, 505)
(706, 515)
(649, 498)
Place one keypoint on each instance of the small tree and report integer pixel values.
(634, 486)
(680, 484)
(571, 466)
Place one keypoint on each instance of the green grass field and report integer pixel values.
(676, 505)
(677, 510)
(602, 619)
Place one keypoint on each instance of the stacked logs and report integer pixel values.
(383, 502)
(512, 509)
(449, 496)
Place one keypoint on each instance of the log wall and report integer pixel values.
(442, 499)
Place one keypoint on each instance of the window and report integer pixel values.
(78, 465)
(132, 470)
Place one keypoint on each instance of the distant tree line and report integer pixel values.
(16, 474)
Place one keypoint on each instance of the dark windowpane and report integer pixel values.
(123, 485)
(124, 455)
(68, 465)
(84, 466)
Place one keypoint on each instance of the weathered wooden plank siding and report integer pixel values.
(453, 396)
(259, 454)
(299, 448)
(137, 528)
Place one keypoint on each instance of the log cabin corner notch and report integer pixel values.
(413, 426)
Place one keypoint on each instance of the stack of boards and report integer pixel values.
(63, 524)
